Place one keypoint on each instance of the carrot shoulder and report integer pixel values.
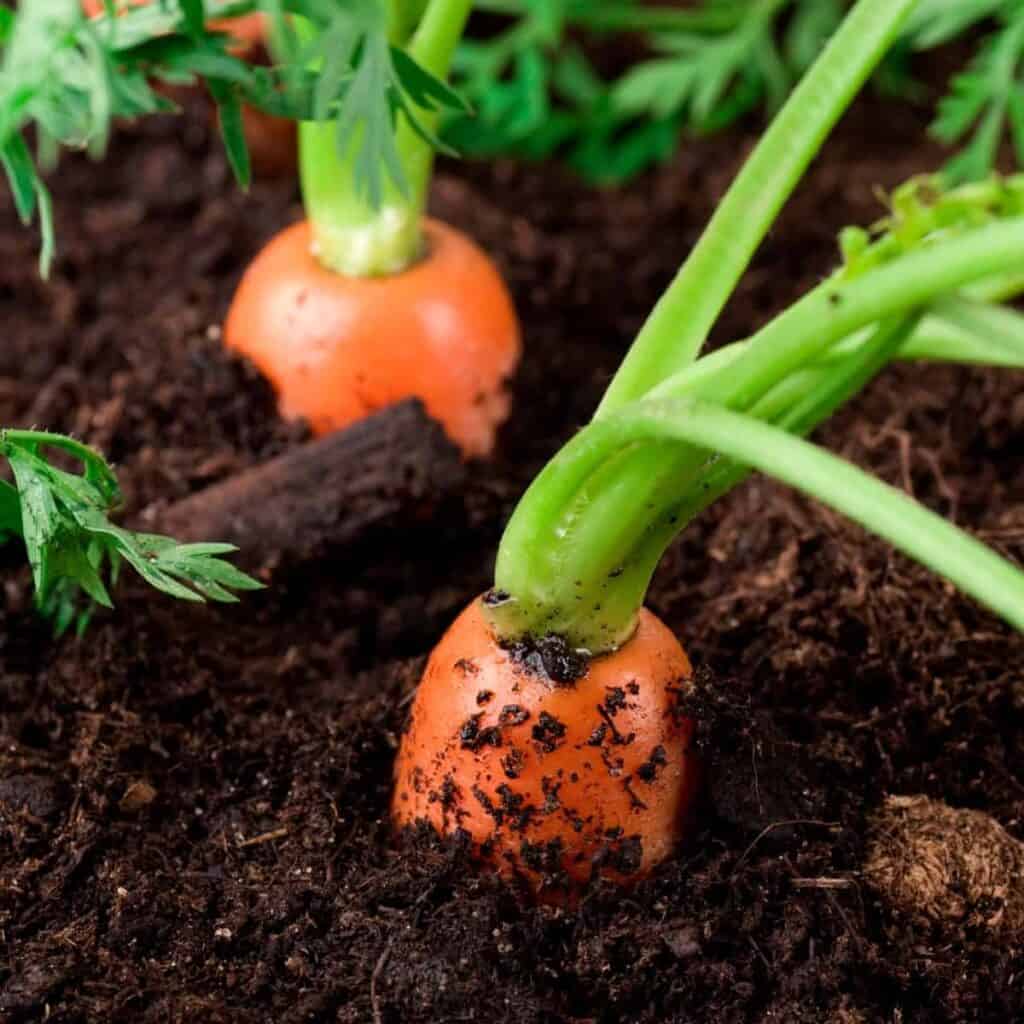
(337, 348)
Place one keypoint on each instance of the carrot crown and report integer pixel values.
(363, 223)
(674, 432)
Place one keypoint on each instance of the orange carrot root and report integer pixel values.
(553, 782)
(338, 348)
(272, 141)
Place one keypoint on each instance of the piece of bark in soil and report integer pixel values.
(388, 469)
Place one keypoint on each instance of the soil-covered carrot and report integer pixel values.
(551, 721)
(367, 302)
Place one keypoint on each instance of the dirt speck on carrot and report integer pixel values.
(554, 782)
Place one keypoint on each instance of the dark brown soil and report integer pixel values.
(193, 802)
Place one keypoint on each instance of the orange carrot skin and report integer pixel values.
(592, 777)
(338, 348)
(272, 141)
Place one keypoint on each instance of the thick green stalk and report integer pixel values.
(682, 319)
(909, 526)
(956, 330)
(798, 404)
(577, 555)
(599, 613)
(999, 289)
(837, 309)
(1002, 329)
(575, 548)
(403, 17)
(748, 442)
(352, 235)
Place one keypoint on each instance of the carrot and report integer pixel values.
(562, 664)
(368, 302)
(549, 724)
(555, 779)
(338, 348)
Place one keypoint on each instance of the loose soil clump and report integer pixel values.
(194, 802)
(950, 868)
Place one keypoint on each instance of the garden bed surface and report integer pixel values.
(193, 801)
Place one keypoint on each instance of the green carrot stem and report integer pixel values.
(956, 330)
(95, 468)
(575, 556)
(403, 17)
(916, 531)
(837, 309)
(598, 613)
(351, 234)
(682, 319)
(672, 435)
(797, 405)
(999, 289)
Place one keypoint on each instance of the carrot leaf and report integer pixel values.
(701, 68)
(75, 550)
(69, 77)
(985, 101)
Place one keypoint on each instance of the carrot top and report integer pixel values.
(366, 222)
(674, 432)
(74, 549)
